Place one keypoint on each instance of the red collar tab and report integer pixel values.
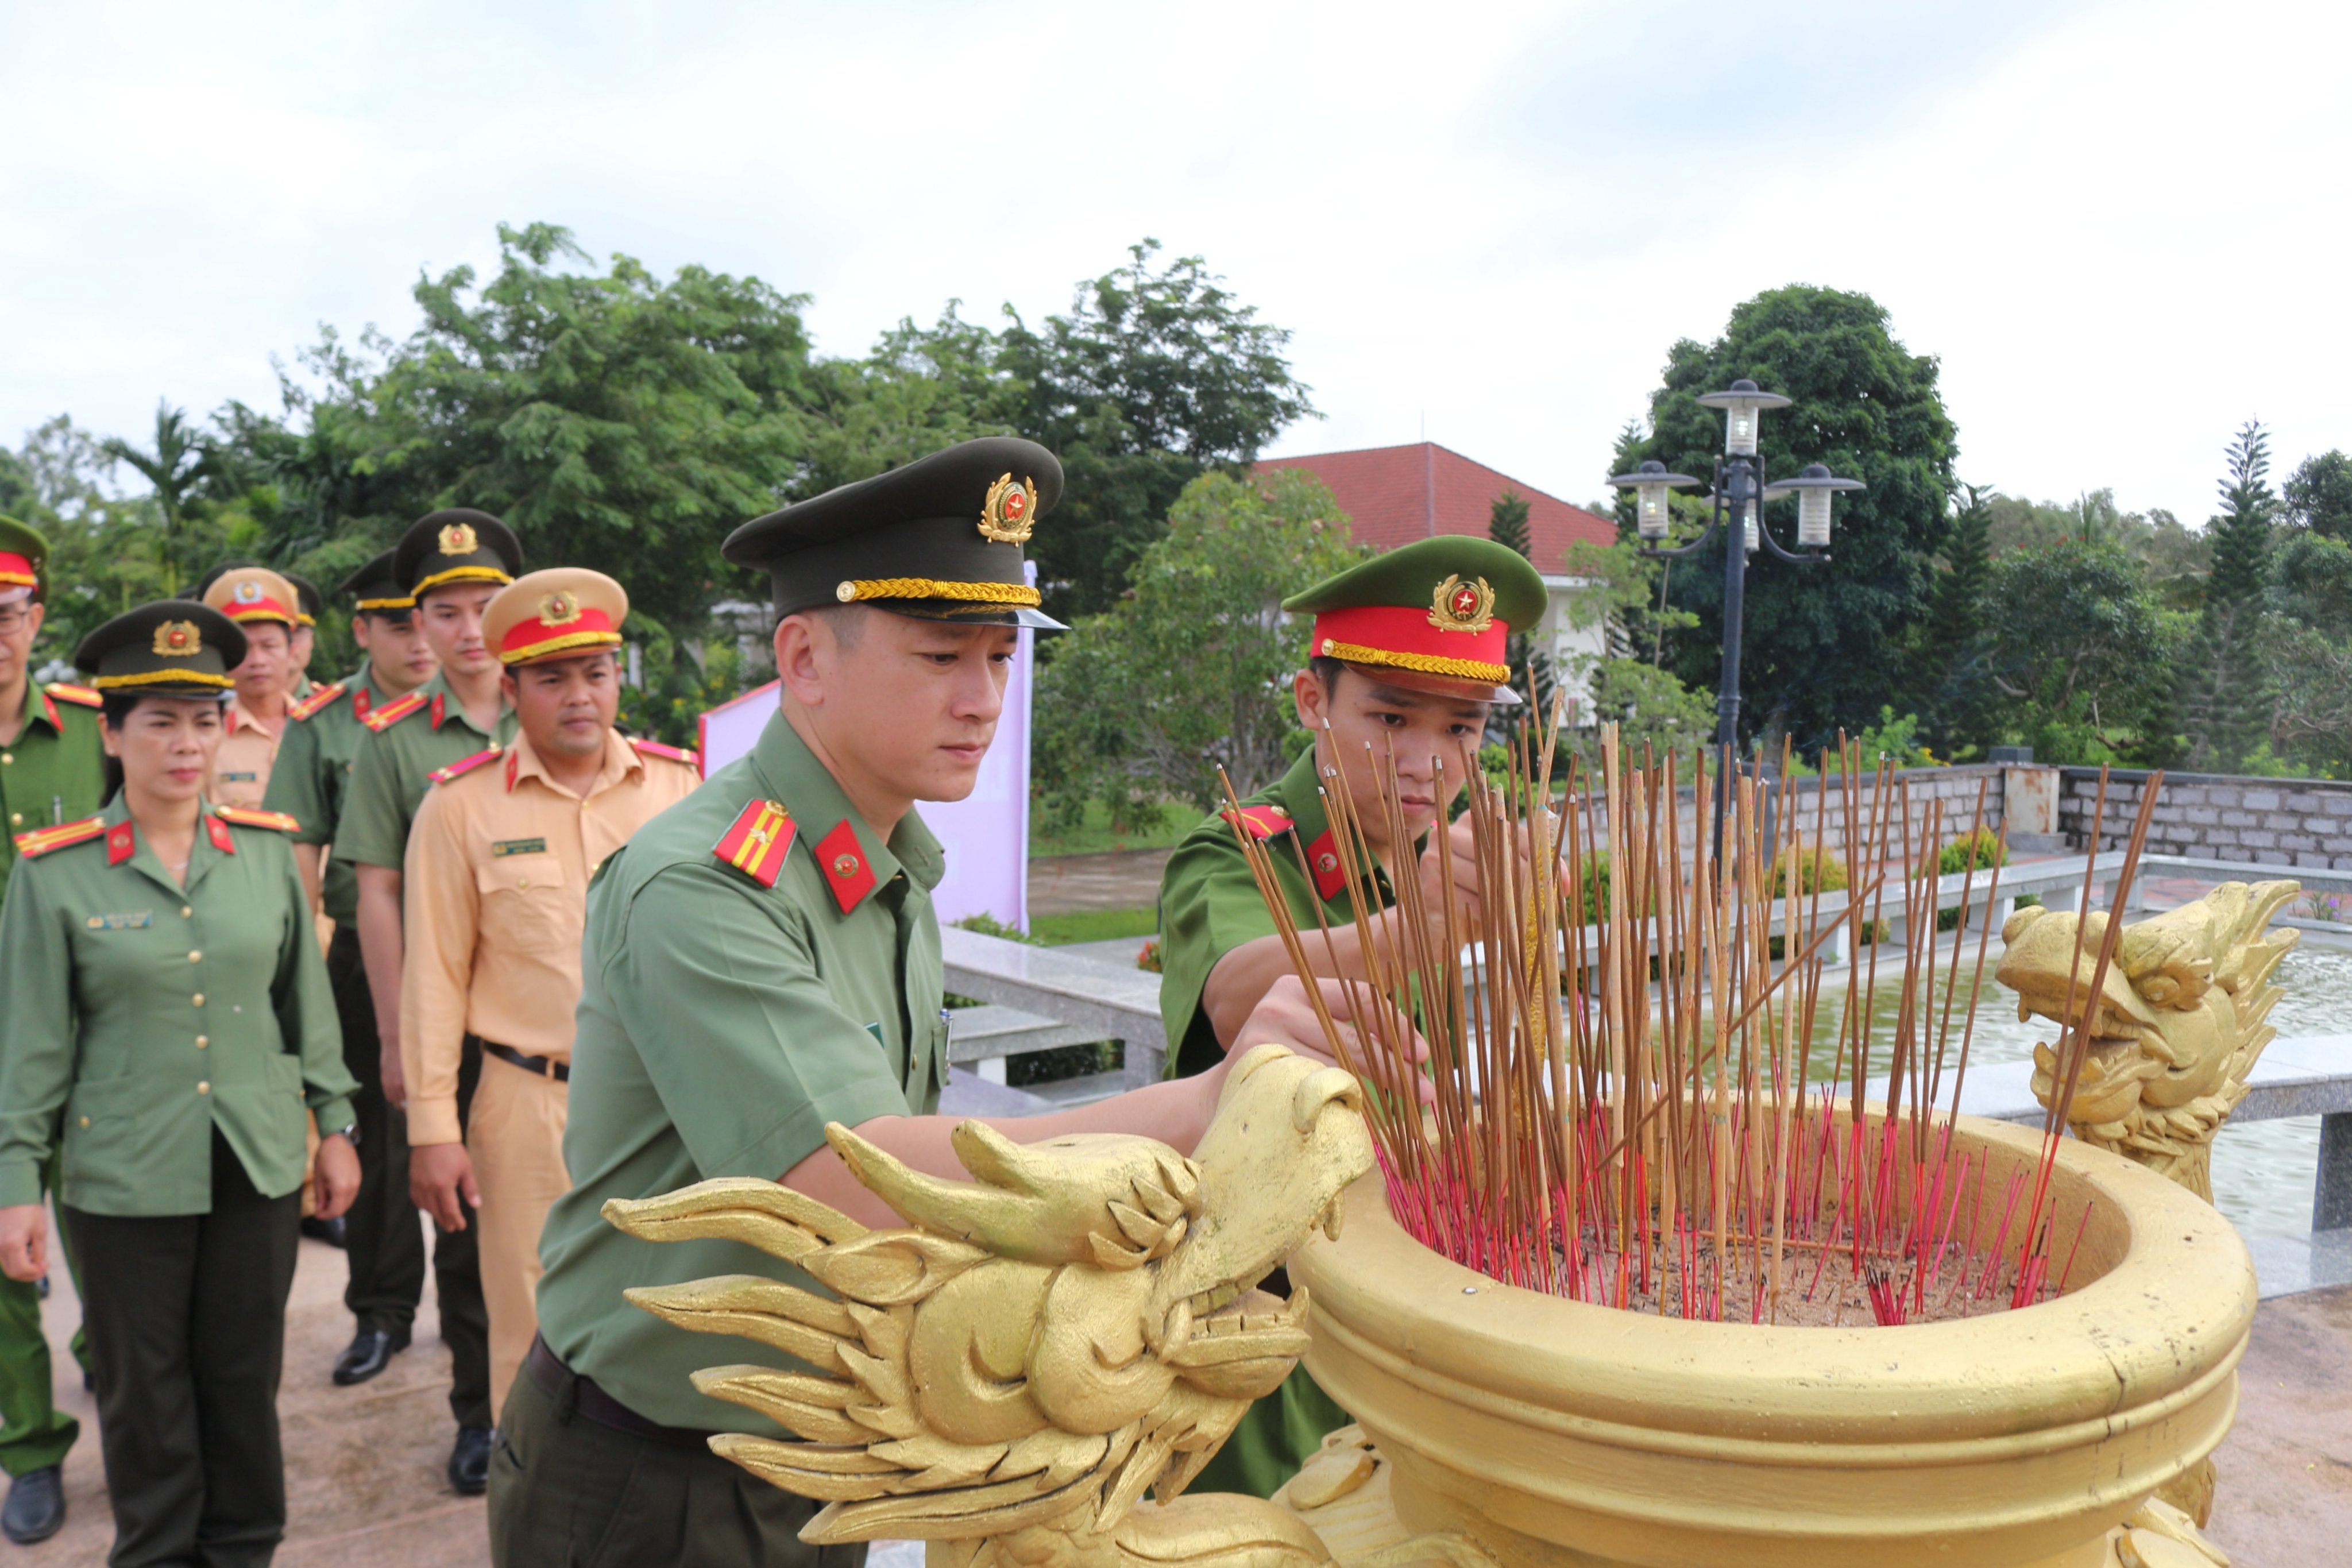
(440, 705)
(1323, 860)
(50, 710)
(121, 843)
(84, 696)
(319, 698)
(756, 843)
(514, 765)
(465, 765)
(219, 832)
(1409, 638)
(844, 865)
(1263, 821)
(361, 701)
(392, 712)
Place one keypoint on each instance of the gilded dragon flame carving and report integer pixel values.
(1009, 1376)
(2177, 1025)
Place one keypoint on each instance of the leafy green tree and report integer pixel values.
(1507, 523)
(1954, 676)
(2221, 696)
(1156, 376)
(921, 388)
(2319, 495)
(1146, 701)
(1820, 640)
(175, 468)
(2305, 642)
(1620, 686)
(2082, 650)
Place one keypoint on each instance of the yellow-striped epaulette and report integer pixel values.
(391, 713)
(464, 765)
(320, 697)
(675, 753)
(89, 697)
(41, 840)
(244, 817)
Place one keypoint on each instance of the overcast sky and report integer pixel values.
(2119, 225)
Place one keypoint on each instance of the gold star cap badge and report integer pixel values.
(459, 539)
(1009, 514)
(560, 608)
(178, 639)
(1459, 606)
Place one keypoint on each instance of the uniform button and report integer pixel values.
(85, 1121)
(16, 819)
(197, 1000)
(6, 757)
(203, 1088)
(186, 911)
(193, 955)
(203, 1040)
(522, 882)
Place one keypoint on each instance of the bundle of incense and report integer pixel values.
(1608, 1075)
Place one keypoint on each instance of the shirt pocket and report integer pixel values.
(527, 905)
(108, 1133)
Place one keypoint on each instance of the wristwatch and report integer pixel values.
(349, 1131)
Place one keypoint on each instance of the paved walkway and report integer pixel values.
(1122, 879)
(365, 1490)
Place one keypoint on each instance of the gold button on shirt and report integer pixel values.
(247, 752)
(496, 889)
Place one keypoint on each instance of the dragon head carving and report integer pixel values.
(1040, 1347)
(2177, 1026)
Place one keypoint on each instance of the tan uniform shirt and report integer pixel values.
(496, 895)
(241, 768)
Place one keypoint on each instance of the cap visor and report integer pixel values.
(1439, 685)
(969, 614)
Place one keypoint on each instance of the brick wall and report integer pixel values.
(1957, 788)
(2218, 817)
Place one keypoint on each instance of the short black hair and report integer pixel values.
(1326, 670)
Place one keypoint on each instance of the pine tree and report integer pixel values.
(2222, 695)
(1954, 687)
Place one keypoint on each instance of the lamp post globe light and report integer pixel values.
(1738, 493)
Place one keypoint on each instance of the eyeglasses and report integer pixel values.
(13, 619)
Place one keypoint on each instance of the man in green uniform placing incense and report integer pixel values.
(452, 563)
(384, 1243)
(52, 771)
(1407, 656)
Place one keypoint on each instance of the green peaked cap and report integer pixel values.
(1409, 574)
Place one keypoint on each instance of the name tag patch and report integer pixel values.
(137, 920)
(507, 847)
(240, 778)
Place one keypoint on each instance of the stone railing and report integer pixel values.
(2301, 823)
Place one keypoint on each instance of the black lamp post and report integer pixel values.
(1740, 491)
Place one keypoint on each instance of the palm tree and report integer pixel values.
(175, 467)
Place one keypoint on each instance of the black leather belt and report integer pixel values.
(546, 1066)
(568, 1388)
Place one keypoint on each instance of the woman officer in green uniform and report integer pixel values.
(169, 1013)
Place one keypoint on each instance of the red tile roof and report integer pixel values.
(1398, 494)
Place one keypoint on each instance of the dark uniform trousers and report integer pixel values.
(383, 1238)
(602, 1498)
(34, 1432)
(187, 1316)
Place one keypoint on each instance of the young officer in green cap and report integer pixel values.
(451, 564)
(762, 959)
(52, 772)
(1407, 653)
(171, 1029)
(382, 1242)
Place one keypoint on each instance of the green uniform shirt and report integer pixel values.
(393, 767)
(313, 774)
(722, 1024)
(150, 1014)
(1209, 905)
(53, 773)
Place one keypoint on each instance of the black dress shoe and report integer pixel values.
(329, 1231)
(37, 1507)
(470, 1461)
(370, 1352)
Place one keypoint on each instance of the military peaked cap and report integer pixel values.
(937, 539)
(308, 603)
(172, 648)
(1434, 614)
(24, 554)
(458, 545)
(248, 593)
(377, 587)
(563, 612)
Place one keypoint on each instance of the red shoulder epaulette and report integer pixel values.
(755, 844)
(89, 697)
(320, 697)
(675, 753)
(464, 765)
(244, 817)
(392, 714)
(1263, 821)
(41, 840)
